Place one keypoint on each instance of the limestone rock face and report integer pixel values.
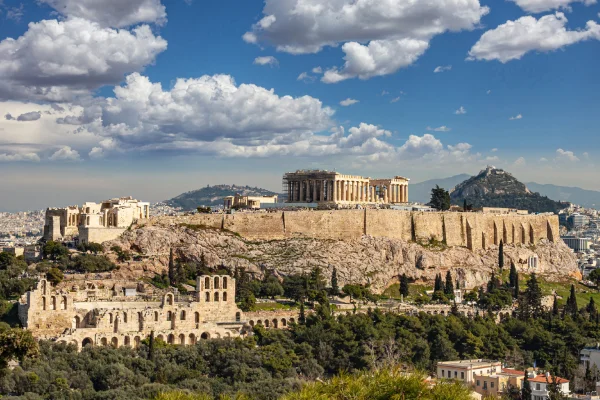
(376, 261)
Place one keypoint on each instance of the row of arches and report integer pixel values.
(217, 283)
(216, 297)
(170, 316)
(181, 339)
(274, 323)
(51, 303)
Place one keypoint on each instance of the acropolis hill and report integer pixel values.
(366, 246)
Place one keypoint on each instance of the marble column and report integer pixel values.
(300, 191)
(386, 195)
(323, 190)
(406, 193)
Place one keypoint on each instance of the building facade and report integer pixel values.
(247, 202)
(306, 186)
(577, 244)
(94, 222)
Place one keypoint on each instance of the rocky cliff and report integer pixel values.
(378, 261)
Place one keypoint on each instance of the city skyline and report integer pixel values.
(239, 93)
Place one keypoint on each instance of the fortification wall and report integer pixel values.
(472, 230)
(99, 235)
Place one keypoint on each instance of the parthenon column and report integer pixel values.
(386, 195)
(300, 191)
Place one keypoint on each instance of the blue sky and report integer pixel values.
(523, 72)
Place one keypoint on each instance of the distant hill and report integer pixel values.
(213, 196)
(421, 192)
(494, 187)
(575, 195)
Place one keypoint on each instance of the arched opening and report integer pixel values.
(136, 342)
(192, 338)
(76, 322)
(182, 339)
(197, 317)
(63, 303)
(283, 322)
(53, 305)
(292, 320)
(44, 303)
(114, 342)
(217, 283)
(125, 317)
(207, 297)
(44, 285)
(206, 283)
(224, 296)
(259, 322)
(140, 321)
(171, 339)
(161, 338)
(205, 336)
(531, 235)
(267, 323)
(104, 341)
(238, 316)
(169, 316)
(87, 342)
(110, 318)
(216, 296)
(251, 323)
(224, 282)
(523, 235)
(169, 299)
(182, 316)
(127, 341)
(275, 324)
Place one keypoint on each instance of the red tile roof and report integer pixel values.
(511, 371)
(544, 379)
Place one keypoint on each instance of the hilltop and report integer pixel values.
(213, 196)
(494, 187)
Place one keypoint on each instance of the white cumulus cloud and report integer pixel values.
(348, 102)
(19, 157)
(518, 116)
(442, 128)
(565, 155)
(267, 60)
(460, 111)
(65, 153)
(57, 60)
(442, 68)
(538, 6)
(513, 39)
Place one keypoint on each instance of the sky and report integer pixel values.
(152, 98)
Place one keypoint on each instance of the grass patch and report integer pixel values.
(274, 307)
(563, 289)
(433, 244)
(414, 291)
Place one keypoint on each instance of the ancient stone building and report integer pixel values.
(247, 202)
(91, 314)
(94, 222)
(332, 187)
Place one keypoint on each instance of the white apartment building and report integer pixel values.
(467, 370)
(539, 386)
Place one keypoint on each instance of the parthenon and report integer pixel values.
(305, 186)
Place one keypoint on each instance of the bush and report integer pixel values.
(55, 276)
(85, 263)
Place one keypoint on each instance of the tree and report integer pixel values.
(404, 285)
(594, 276)
(302, 316)
(517, 291)
(172, 270)
(530, 303)
(151, 347)
(555, 310)
(493, 283)
(294, 287)
(204, 210)
(248, 303)
(501, 255)
(438, 284)
(465, 206)
(54, 250)
(6, 259)
(449, 287)
(54, 276)
(16, 344)
(571, 305)
(440, 199)
(526, 389)
(513, 276)
(335, 289)
(271, 287)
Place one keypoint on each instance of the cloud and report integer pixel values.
(395, 99)
(380, 57)
(519, 116)
(15, 13)
(112, 13)
(317, 70)
(58, 60)
(348, 102)
(26, 157)
(442, 128)
(418, 146)
(385, 93)
(442, 68)
(538, 6)
(514, 39)
(564, 155)
(9, 117)
(268, 60)
(65, 153)
(377, 37)
(494, 150)
(492, 158)
(306, 77)
(30, 116)
(543, 159)
(520, 162)
(460, 111)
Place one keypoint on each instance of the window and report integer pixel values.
(484, 385)
(449, 374)
(455, 374)
(492, 385)
(537, 386)
(462, 375)
(443, 372)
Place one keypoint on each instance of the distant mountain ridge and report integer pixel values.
(212, 196)
(494, 187)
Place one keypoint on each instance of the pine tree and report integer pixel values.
(449, 288)
(335, 289)
(151, 347)
(530, 304)
(172, 271)
(526, 389)
(513, 276)
(404, 288)
(501, 255)
(555, 310)
(302, 316)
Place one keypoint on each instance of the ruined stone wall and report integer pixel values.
(472, 230)
(100, 234)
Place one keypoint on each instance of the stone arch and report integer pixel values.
(192, 338)
(114, 342)
(207, 297)
(104, 341)
(87, 342)
(63, 303)
(224, 282)
(182, 339)
(206, 283)
(217, 282)
(76, 322)
(110, 318)
(169, 299)
(216, 296)
(292, 320)
(197, 317)
(156, 316)
(136, 342)
(53, 303)
(251, 323)
(44, 306)
(44, 285)
(217, 335)
(169, 316)
(224, 296)
(238, 316)
(127, 341)
(160, 337)
(442, 312)
(171, 339)
(182, 316)
(227, 334)
(140, 321)
(275, 323)
(125, 317)
(283, 322)
(267, 323)
(259, 322)
(205, 336)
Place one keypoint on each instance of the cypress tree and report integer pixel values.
(526, 390)
(151, 347)
(501, 255)
(555, 307)
(335, 289)
(591, 309)
(493, 283)
(449, 288)
(302, 316)
(533, 297)
(439, 285)
(404, 288)
(513, 277)
(571, 306)
(516, 291)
